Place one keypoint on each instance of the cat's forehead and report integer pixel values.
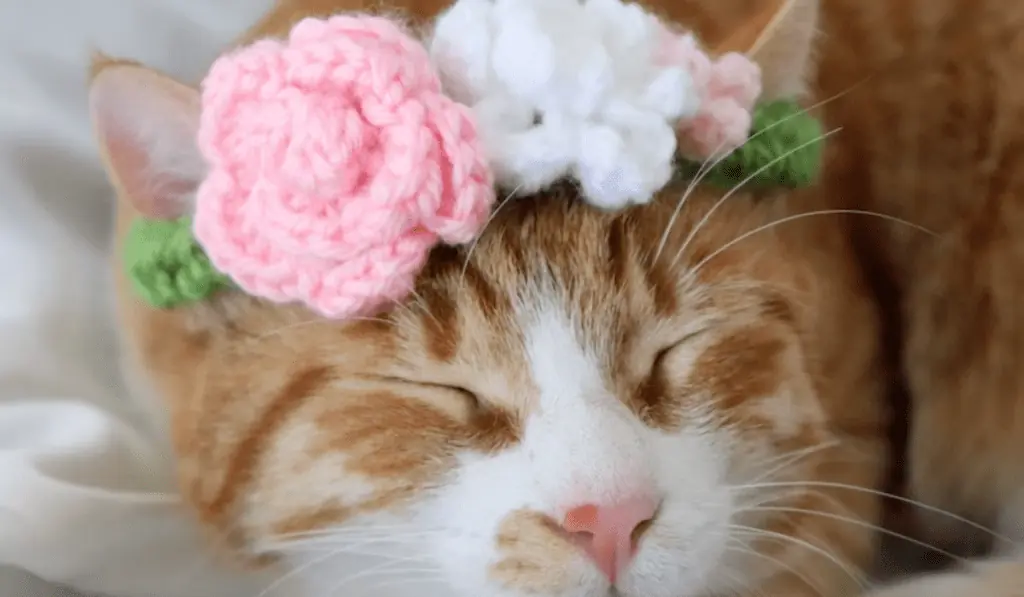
(618, 281)
(623, 283)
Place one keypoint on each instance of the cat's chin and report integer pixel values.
(325, 575)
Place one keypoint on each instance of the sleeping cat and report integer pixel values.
(685, 399)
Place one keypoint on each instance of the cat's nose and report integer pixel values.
(609, 533)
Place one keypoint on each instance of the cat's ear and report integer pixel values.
(146, 124)
(780, 38)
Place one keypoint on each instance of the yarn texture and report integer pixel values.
(335, 165)
(728, 88)
(593, 90)
(784, 150)
(336, 161)
(166, 266)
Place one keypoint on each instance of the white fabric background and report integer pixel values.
(86, 494)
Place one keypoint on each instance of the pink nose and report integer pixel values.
(609, 534)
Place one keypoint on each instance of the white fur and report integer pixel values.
(581, 444)
(586, 68)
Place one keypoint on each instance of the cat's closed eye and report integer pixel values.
(470, 399)
(454, 400)
(665, 353)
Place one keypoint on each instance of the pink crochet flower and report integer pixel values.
(728, 88)
(335, 165)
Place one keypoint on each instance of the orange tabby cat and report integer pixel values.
(714, 395)
(713, 379)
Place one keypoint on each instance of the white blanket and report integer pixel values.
(86, 492)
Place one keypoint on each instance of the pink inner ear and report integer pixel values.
(146, 125)
(159, 200)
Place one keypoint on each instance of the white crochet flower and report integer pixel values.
(567, 88)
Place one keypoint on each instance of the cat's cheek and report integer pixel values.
(382, 554)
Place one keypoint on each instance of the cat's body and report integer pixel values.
(930, 96)
(936, 137)
(735, 396)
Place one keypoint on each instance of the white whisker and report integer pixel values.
(412, 580)
(359, 531)
(487, 224)
(422, 304)
(825, 212)
(782, 565)
(348, 542)
(789, 493)
(705, 170)
(383, 568)
(883, 494)
(856, 576)
(743, 183)
(384, 549)
(859, 523)
(792, 457)
(296, 572)
(762, 499)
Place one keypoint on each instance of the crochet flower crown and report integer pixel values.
(339, 157)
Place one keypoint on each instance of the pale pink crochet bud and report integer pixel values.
(736, 77)
(728, 87)
(335, 165)
(719, 127)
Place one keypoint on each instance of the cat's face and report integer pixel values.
(568, 410)
(582, 404)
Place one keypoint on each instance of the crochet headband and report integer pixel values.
(339, 157)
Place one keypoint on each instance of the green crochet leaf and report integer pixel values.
(166, 265)
(784, 150)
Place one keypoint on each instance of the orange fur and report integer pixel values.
(934, 137)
